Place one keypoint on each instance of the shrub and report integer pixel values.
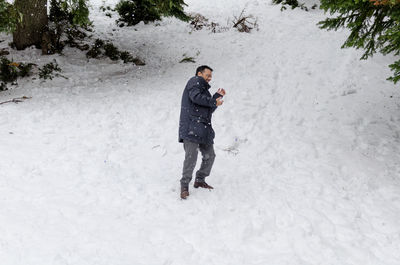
(132, 12)
(244, 23)
(198, 22)
(95, 51)
(47, 71)
(111, 51)
(8, 17)
(66, 20)
(11, 71)
(8, 70)
(75, 12)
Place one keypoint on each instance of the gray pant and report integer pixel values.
(191, 151)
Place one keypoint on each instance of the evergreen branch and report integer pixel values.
(396, 68)
(374, 26)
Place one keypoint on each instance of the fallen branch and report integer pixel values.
(245, 23)
(16, 100)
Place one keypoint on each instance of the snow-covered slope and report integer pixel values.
(307, 168)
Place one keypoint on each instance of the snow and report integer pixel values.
(307, 143)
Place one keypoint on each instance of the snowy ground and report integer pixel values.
(307, 168)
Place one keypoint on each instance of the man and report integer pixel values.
(195, 130)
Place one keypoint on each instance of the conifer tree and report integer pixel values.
(134, 11)
(28, 19)
(374, 26)
(8, 17)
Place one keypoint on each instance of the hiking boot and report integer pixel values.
(184, 192)
(203, 184)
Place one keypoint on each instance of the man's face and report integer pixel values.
(206, 74)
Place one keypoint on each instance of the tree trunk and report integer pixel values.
(34, 21)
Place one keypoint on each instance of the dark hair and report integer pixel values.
(202, 68)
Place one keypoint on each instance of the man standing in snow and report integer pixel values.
(195, 130)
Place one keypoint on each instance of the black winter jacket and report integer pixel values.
(196, 111)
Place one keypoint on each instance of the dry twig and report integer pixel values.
(16, 100)
(245, 23)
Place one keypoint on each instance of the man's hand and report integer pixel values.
(219, 101)
(221, 91)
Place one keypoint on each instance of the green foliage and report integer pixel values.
(76, 12)
(95, 51)
(47, 71)
(99, 43)
(373, 28)
(9, 17)
(58, 13)
(68, 18)
(395, 67)
(172, 8)
(24, 69)
(109, 50)
(188, 60)
(132, 12)
(126, 57)
(10, 71)
(3, 86)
